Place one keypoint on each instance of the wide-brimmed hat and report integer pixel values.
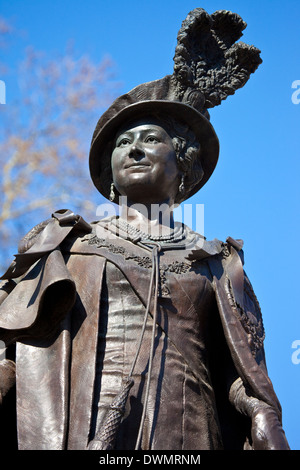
(130, 107)
(208, 67)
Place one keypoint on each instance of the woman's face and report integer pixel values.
(144, 165)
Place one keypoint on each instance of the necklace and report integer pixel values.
(136, 234)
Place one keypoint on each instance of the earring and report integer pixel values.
(112, 193)
(181, 186)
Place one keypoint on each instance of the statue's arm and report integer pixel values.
(266, 429)
(7, 377)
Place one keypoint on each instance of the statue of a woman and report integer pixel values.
(135, 332)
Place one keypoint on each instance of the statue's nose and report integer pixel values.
(136, 150)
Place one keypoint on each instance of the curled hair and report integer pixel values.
(187, 149)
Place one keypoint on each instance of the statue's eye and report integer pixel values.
(152, 139)
(123, 142)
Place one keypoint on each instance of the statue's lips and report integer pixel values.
(137, 166)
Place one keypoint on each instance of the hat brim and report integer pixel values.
(101, 147)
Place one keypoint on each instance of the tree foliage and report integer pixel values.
(45, 137)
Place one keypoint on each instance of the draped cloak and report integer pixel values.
(51, 301)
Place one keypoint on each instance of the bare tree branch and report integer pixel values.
(46, 135)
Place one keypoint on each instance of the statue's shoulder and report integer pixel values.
(216, 251)
(30, 238)
(54, 230)
(44, 238)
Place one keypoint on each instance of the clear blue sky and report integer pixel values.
(254, 192)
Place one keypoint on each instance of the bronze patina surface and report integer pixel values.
(135, 332)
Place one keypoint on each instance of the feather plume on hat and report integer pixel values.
(208, 67)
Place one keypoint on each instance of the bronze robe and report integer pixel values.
(75, 345)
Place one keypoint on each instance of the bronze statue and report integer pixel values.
(135, 332)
